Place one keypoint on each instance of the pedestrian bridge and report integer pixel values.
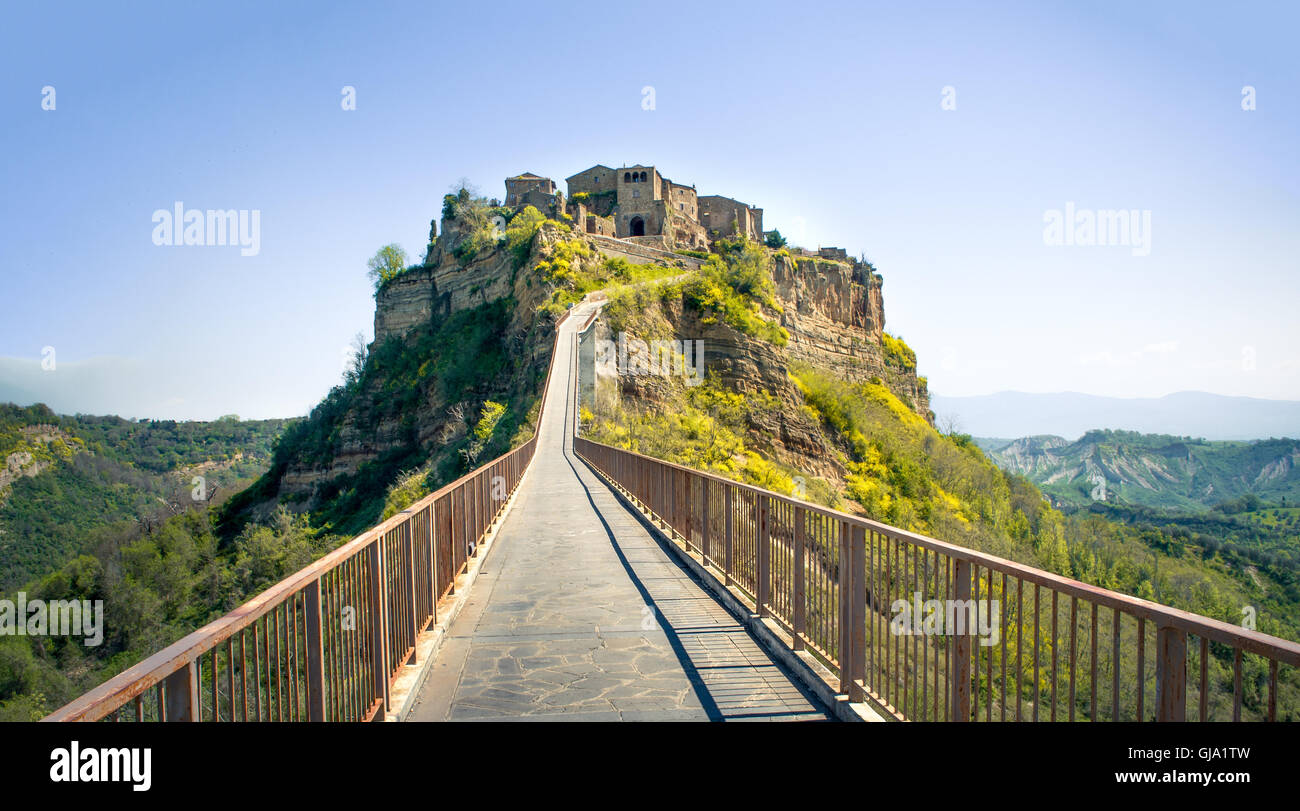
(569, 580)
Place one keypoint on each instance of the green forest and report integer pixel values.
(121, 511)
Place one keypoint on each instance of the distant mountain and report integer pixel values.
(1070, 415)
(1152, 470)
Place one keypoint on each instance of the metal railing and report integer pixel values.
(326, 643)
(982, 637)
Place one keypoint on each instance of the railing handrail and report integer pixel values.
(1283, 650)
(146, 674)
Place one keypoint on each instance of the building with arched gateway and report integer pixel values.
(638, 203)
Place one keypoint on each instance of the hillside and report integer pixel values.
(66, 479)
(1152, 470)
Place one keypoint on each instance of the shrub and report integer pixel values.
(897, 353)
(520, 233)
(733, 288)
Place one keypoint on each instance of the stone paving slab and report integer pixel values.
(580, 615)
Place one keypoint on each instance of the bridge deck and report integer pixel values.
(579, 614)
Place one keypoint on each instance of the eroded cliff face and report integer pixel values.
(446, 285)
(835, 314)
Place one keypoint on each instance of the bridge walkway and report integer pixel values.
(580, 614)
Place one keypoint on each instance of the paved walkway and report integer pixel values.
(580, 614)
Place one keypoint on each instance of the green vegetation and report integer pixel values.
(735, 287)
(706, 430)
(98, 472)
(488, 422)
(897, 353)
(387, 264)
(576, 270)
(774, 240)
(474, 216)
(157, 584)
(520, 232)
(112, 518)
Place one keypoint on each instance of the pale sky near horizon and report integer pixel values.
(830, 117)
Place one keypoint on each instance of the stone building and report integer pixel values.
(533, 190)
(638, 203)
(519, 185)
(725, 217)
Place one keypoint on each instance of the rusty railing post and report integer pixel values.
(315, 653)
(728, 495)
(858, 613)
(432, 524)
(675, 520)
(800, 619)
(764, 557)
(378, 626)
(1171, 674)
(844, 608)
(408, 582)
(182, 694)
(704, 520)
(960, 672)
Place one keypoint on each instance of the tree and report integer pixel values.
(357, 362)
(388, 263)
(774, 240)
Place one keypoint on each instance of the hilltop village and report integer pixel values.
(638, 203)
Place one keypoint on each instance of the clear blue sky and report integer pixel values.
(825, 114)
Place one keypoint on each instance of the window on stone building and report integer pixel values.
(636, 193)
(627, 177)
(643, 177)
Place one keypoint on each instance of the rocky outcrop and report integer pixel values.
(835, 314)
(41, 445)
